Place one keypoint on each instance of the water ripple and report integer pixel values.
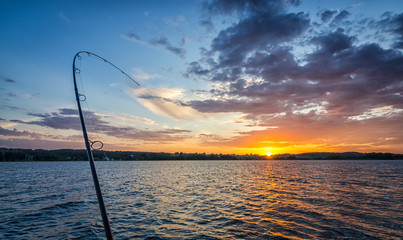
(204, 200)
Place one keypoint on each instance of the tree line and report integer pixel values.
(10, 155)
(81, 155)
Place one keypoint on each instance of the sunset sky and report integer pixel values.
(215, 76)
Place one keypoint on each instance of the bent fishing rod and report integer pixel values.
(89, 144)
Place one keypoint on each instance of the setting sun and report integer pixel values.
(268, 154)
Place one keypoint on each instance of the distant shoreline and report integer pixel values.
(30, 155)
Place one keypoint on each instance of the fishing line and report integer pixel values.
(91, 117)
(88, 144)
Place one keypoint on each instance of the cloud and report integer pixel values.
(126, 119)
(174, 21)
(279, 69)
(163, 42)
(300, 133)
(397, 21)
(341, 16)
(32, 140)
(139, 74)
(207, 24)
(41, 143)
(67, 119)
(262, 25)
(133, 37)
(333, 42)
(393, 23)
(64, 119)
(158, 42)
(167, 102)
(220, 7)
(8, 80)
(333, 75)
(257, 32)
(386, 111)
(14, 132)
(260, 74)
(64, 18)
(327, 15)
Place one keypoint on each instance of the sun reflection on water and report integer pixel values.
(222, 199)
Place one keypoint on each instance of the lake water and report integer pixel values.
(204, 200)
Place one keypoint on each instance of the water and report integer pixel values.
(204, 200)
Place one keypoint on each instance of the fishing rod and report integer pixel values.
(89, 144)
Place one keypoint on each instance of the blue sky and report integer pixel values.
(215, 76)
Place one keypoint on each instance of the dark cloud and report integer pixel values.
(341, 16)
(207, 24)
(333, 42)
(195, 69)
(398, 29)
(257, 32)
(159, 42)
(227, 7)
(7, 79)
(14, 132)
(274, 66)
(163, 42)
(327, 15)
(262, 24)
(17, 134)
(13, 108)
(11, 94)
(67, 119)
(160, 99)
(41, 143)
(260, 74)
(133, 37)
(69, 111)
(393, 23)
(349, 79)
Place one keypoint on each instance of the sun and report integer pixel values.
(268, 154)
